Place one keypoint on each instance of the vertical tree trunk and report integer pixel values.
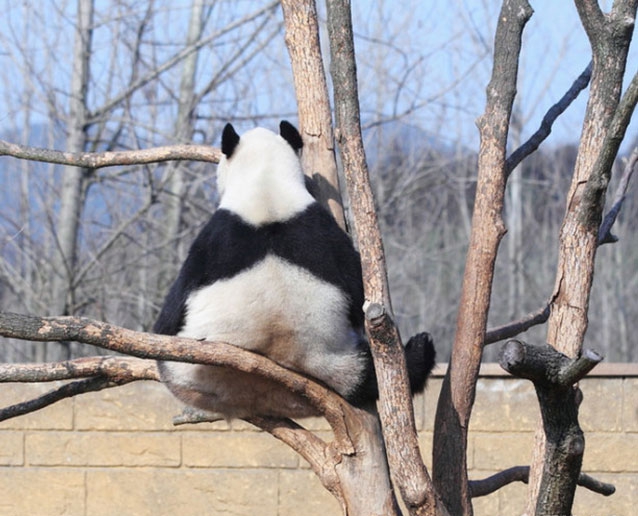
(459, 386)
(395, 402)
(609, 36)
(315, 119)
(175, 170)
(72, 192)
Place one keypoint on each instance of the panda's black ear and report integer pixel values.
(289, 133)
(230, 139)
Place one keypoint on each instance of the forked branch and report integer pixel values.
(161, 347)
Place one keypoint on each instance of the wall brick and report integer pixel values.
(504, 404)
(507, 501)
(601, 409)
(117, 453)
(630, 404)
(622, 503)
(58, 416)
(136, 406)
(11, 448)
(611, 452)
(102, 449)
(155, 492)
(500, 451)
(42, 492)
(236, 450)
(301, 493)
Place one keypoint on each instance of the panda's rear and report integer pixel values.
(273, 273)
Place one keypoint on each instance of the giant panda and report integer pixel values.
(273, 273)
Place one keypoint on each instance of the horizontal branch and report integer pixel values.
(68, 390)
(509, 330)
(495, 482)
(94, 160)
(115, 368)
(161, 347)
(97, 373)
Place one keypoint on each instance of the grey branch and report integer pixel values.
(94, 160)
(161, 347)
(548, 120)
(493, 483)
(605, 235)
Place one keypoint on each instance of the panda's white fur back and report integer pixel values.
(295, 319)
(273, 307)
(272, 272)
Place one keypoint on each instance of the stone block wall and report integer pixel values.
(116, 453)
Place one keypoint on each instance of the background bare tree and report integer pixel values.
(162, 87)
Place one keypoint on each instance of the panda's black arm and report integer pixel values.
(171, 318)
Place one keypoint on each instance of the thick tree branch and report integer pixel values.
(605, 122)
(395, 406)
(593, 197)
(93, 160)
(313, 102)
(459, 385)
(554, 376)
(114, 368)
(161, 347)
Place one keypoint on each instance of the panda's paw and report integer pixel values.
(191, 415)
(420, 357)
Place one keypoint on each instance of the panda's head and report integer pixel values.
(259, 176)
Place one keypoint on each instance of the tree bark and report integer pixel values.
(459, 385)
(313, 102)
(554, 376)
(73, 178)
(395, 402)
(609, 36)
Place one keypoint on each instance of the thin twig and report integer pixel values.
(548, 120)
(605, 235)
(509, 330)
(495, 482)
(66, 391)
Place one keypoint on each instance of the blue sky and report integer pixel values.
(426, 62)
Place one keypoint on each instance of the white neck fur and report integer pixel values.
(262, 182)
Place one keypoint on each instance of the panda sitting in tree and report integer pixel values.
(273, 273)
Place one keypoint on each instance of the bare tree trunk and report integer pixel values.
(609, 36)
(175, 180)
(514, 211)
(395, 402)
(315, 119)
(72, 194)
(458, 391)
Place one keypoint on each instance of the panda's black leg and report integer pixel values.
(420, 357)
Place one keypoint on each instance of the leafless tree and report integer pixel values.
(379, 451)
(119, 97)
